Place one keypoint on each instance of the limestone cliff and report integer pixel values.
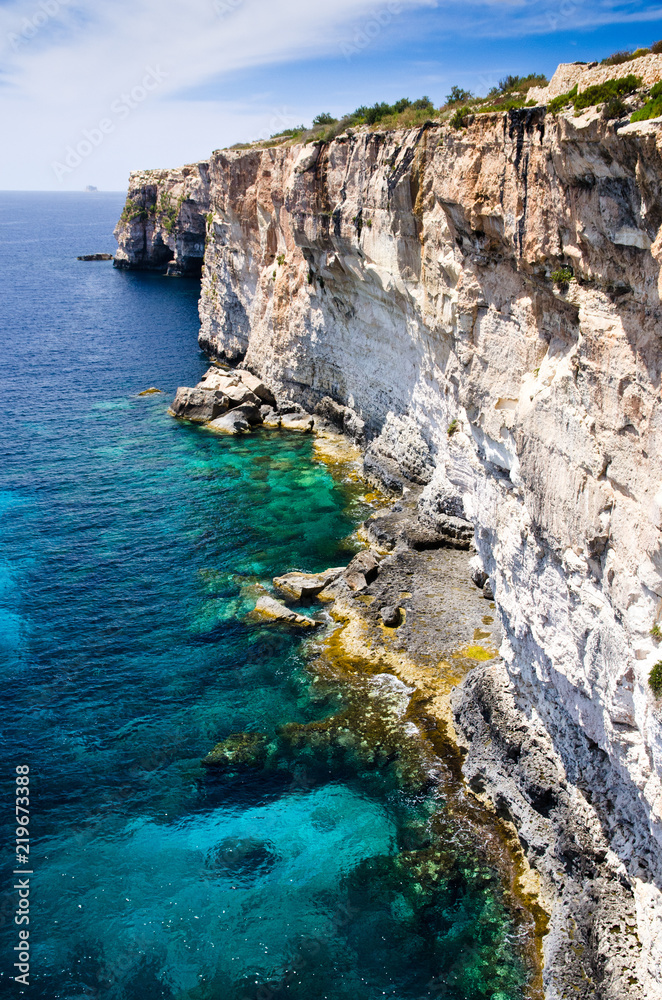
(162, 227)
(487, 302)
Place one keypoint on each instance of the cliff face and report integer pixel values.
(163, 224)
(408, 276)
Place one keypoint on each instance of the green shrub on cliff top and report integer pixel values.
(653, 107)
(461, 117)
(601, 92)
(598, 94)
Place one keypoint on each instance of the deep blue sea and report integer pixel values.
(130, 549)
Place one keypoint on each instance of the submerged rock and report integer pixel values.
(238, 750)
(198, 405)
(305, 586)
(270, 610)
(95, 256)
(152, 391)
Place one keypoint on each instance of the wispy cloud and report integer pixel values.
(66, 64)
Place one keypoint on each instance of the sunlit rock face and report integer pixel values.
(487, 302)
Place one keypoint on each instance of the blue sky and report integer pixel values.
(89, 91)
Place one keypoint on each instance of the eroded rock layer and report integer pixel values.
(483, 306)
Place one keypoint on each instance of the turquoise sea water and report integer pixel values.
(130, 549)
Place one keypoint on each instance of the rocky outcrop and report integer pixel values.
(268, 609)
(483, 309)
(164, 222)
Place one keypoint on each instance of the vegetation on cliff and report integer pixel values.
(598, 94)
(652, 108)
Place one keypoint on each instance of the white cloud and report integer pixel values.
(68, 65)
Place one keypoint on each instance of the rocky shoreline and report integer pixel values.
(417, 603)
(478, 309)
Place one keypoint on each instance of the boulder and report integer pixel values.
(256, 385)
(342, 417)
(198, 405)
(306, 586)
(445, 532)
(214, 378)
(270, 610)
(270, 418)
(391, 615)
(250, 412)
(297, 422)
(240, 394)
(233, 422)
(238, 750)
(362, 570)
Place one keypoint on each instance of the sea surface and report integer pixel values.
(131, 549)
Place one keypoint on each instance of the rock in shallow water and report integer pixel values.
(270, 610)
(237, 421)
(297, 422)
(199, 405)
(305, 586)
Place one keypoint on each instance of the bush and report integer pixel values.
(458, 96)
(133, 211)
(656, 632)
(601, 92)
(562, 276)
(617, 58)
(598, 94)
(375, 114)
(655, 679)
(614, 108)
(558, 103)
(510, 82)
(461, 118)
(656, 47)
(324, 119)
(452, 427)
(652, 108)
